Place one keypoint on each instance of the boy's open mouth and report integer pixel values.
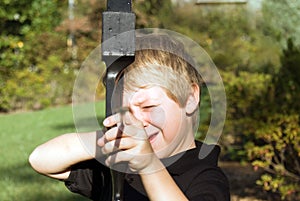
(152, 137)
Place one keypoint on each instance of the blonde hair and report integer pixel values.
(162, 61)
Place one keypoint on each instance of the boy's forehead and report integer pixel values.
(139, 95)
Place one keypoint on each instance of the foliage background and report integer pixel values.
(256, 49)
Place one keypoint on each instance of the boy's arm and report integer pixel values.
(55, 157)
(161, 186)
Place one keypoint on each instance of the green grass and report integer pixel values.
(19, 135)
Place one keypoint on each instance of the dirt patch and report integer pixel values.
(242, 180)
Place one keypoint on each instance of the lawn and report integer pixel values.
(20, 133)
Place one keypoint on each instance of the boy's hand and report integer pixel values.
(128, 142)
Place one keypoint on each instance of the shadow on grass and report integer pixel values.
(63, 127)
(21, 182)
(83, 124)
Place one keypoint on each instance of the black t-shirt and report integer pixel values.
(200, 179)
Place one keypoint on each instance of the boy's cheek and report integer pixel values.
(157, 117)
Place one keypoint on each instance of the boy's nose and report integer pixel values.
(140, 115)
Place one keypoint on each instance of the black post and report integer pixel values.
(118, 52)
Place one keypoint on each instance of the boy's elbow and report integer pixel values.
(34, 160)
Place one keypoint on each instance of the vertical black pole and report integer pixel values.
(118, 50)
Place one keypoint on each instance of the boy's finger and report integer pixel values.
(109, 135)
(112, 120)
(116, 118)
(118, 157)
(118, 144)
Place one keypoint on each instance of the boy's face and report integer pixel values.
(164, 121)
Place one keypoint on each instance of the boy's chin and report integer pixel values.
(163, 152)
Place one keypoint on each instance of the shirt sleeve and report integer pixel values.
(90, 179)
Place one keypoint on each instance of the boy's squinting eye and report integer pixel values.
(148, 106)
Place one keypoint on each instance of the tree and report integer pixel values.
(22, 22)
(152, 13)
(282, 19)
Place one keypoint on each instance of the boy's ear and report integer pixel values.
(192, 102)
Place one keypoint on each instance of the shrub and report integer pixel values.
(247, 95)
(263, 125)
(25, 90)
(278, 153)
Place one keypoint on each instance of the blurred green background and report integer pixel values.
(255, 44)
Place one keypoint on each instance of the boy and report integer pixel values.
(155, 137)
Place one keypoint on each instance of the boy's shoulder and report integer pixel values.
(208, 153)
(199, 166)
